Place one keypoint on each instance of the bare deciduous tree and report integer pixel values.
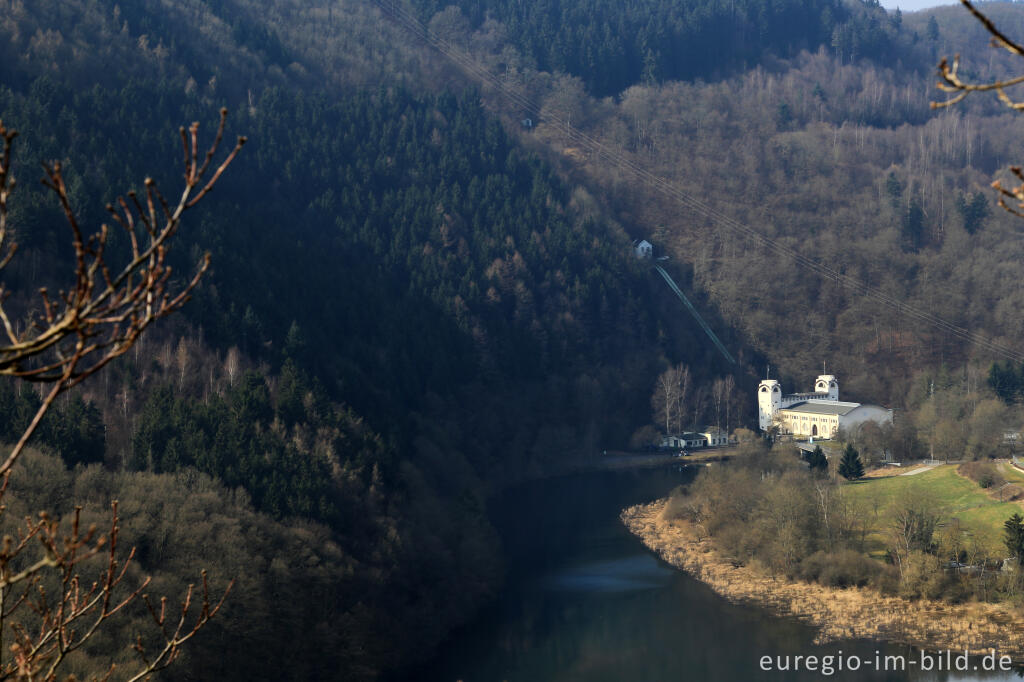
(730, 396)
(232, 364)
(45, 601)
(107, 307)
(181, 359)
(717, 397)
(952, 82)
(913, 526)
(669, 398)
(700, 397)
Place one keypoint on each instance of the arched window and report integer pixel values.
(764, 389)
(814, 430)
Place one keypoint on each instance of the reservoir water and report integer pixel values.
(583, 600)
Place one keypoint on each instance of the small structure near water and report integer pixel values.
(712, 437)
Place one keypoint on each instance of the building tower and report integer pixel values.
(769, 400)
(826, 383)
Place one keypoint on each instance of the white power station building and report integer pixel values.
(819, 414)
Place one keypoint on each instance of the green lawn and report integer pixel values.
(956, 496)
(1011, 473)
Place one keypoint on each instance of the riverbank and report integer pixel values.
(620, 460)
(851, 613)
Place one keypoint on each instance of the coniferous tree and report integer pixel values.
(894, 189)
(973, 209)
(816, 460)
(115, 301)
(850, 466)
(913, 225)
(1005, 381)
(1013, 536)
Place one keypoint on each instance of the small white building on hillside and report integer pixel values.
(643, 249)
(819, 414)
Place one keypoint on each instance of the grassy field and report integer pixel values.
(1011, 473)
(957, 498)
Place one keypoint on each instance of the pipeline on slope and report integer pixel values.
(693, 311)
(464, 60)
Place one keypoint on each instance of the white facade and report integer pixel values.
(866, 413)
(703, 439)
(715, 437)
(643, 249)
(814, 419)
(770, 398)
(687, 440)
(821, 419)
(827, 384)
(818, 415)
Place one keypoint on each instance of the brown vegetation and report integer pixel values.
(766, 508)
(851, 171)
(56, 593)
(987, 474)
(851, 612)
(959, 88)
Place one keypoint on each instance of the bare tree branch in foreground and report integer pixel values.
(952, 83)
(107, 307)
(44, 600)
(68, 612)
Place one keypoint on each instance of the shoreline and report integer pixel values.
(850, 613)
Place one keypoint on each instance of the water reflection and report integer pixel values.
(638, 572)
(584, 603)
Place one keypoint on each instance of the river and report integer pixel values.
(584, 601)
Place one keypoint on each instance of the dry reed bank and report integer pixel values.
(839, 613)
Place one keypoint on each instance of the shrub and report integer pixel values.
(1012, 492)
(887, 581)
(737, 543)
(845, 568)
(675, 507)
(983, 473)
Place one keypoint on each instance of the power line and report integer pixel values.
(405, 19)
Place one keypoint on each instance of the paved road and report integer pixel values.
(921, 470)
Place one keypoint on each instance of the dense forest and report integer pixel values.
(611, 46)
(415, 300)
(424, 279)
(852, 170)
(843, 163)
(407, 309)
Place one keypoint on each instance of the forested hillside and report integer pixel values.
(835, 157)
(846, 165)
(415, 300)
(406, 310)
(612, 46)
(841, 161)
